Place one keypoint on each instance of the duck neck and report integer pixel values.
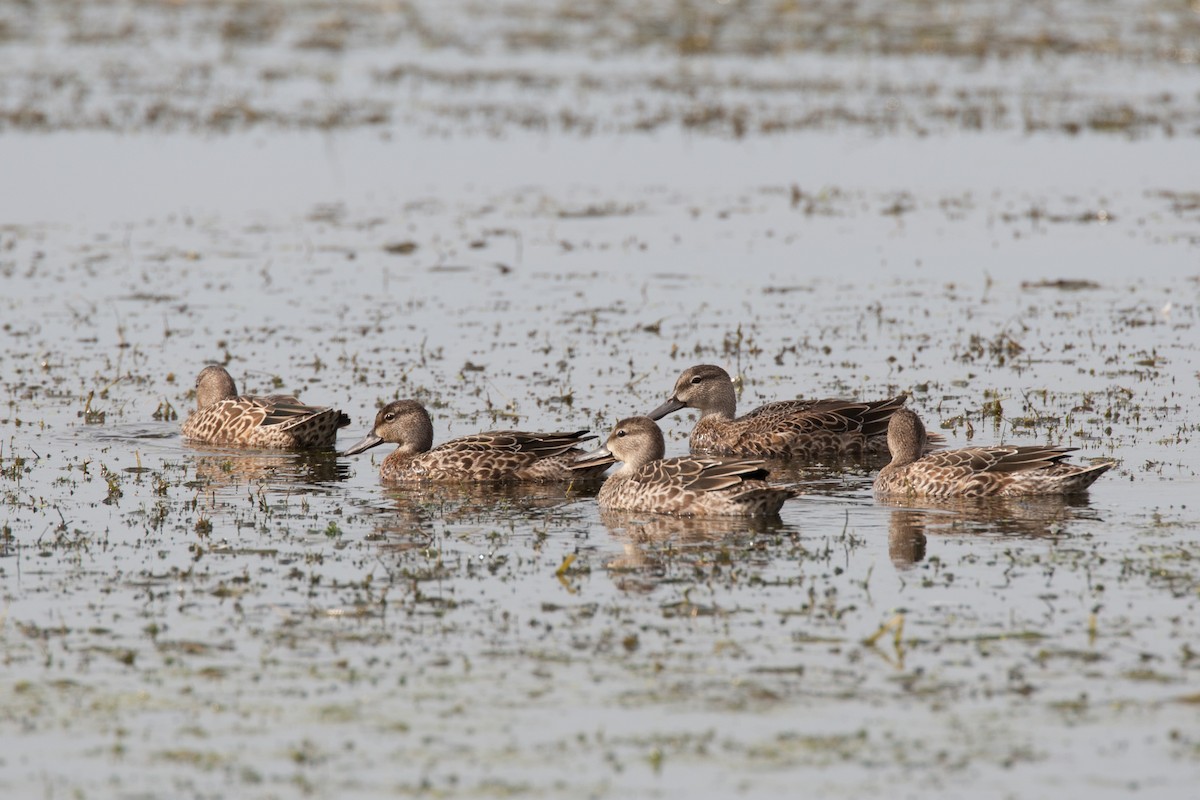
(903, 454)
(624, 473)
(722, 404)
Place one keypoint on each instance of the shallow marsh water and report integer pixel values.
(536, 216)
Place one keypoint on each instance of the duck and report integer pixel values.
(788, 429)
(489, 456)
(998, 471)
(684, 486)
(280, 422)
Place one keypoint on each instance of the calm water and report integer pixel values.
(186, 622)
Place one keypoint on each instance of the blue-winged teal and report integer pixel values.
(977, 471)
(490, 456)
(688, 486)
(806, 429)
(273, 421)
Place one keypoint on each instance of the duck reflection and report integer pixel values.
(906, 537)
(1028, 517)
(486, 503)
(658, 548)
(845, 478)
(231, 468)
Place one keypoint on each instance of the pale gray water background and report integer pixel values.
(536, 215)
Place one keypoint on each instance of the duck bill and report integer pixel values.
(593, 458)
(669, 407)
(366, 443)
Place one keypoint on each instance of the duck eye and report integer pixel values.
(620, 433)
(388, 417)
(696, 380)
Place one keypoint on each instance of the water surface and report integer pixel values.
(538, 217)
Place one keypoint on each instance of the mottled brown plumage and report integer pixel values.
(490, 456)
(274, 421)
(804, 429)
(688, 486)
(977, 471)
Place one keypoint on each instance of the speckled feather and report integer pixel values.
(805, 429)
(687, 486)
(484, 457)
(977, 471)
(492, 456)
(273, 421)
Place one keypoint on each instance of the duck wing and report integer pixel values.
(700, 474)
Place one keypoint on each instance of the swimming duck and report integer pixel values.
(687, 486)
(1005, 471)
(806, 429)
(272, 421)
(489, 456)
